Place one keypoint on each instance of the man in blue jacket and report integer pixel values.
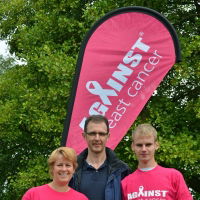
(99, 171)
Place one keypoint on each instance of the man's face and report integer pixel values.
(144, 147)
(96, 136)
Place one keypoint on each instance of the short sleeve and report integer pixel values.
(183, 192)
(28, 195)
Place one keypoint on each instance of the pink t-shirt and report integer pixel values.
(45, 192)
(157, 184)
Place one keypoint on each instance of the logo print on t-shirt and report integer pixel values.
(147, 193)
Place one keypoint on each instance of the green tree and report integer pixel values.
(5, 63)
(34, 95)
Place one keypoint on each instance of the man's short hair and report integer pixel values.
(96, 119)
(145, 129)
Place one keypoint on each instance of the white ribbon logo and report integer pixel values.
(95, 88)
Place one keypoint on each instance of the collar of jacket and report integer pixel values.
(113, 162)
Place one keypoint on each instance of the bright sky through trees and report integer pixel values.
(3, 48)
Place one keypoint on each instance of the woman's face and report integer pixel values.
(63, 170)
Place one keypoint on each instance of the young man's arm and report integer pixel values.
(183, 192)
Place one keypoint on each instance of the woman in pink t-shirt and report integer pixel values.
(62, 164)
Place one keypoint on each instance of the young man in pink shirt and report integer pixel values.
(151, 181)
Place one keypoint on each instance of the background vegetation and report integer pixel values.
(34, 95)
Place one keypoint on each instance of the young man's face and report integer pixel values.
(144, 147)
(96, 136)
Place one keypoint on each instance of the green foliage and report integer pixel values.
(5, 63)
(28, 175)
(34, 96)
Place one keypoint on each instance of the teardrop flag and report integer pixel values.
(122, 60)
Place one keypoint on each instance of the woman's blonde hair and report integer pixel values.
(67, 153)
